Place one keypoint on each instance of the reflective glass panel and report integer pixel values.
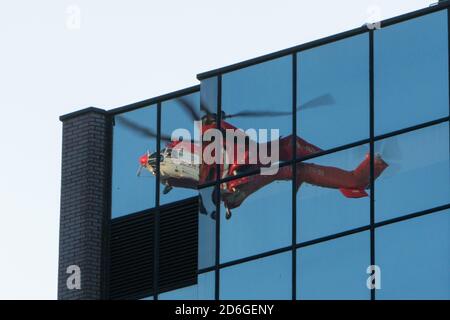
(262, 279)
(203, 290)
(179, 171)
(418, 176)
(334, 269)
(414, 257)
(260, 97)
(208, 115)
(411, 72)
(333, 93)
(261, 215)
(332, 197)
(134, 141)
(206, 229)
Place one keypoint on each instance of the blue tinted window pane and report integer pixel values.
(206, 229)
(414, 257)
(208, 93)
(323, 208)
(334, 269)
(131, 193)
(411, 72)
(203, 290)
(333, 92)
(148, 298)
(262, 89)
(266, 278)
(179, 175)
(418, 176)
(208, 113)
(261, 218)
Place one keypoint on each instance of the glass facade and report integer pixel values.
(418, 250)
(149, 146)
(263, 222)
(130, 193)
(411, 72)
(324, 211)
(203, 290)
(420, 159)
(337, 74)
(334, 269)
(345, 166)
(175, 116)
(265, 278)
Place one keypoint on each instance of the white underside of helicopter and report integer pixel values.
(175, 167)
(172, 167)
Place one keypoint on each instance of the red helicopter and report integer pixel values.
(176, 171)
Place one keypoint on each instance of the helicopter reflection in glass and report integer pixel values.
(177, 172)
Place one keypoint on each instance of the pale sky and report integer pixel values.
(122, 52)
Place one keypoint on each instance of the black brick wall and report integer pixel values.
(84, 201)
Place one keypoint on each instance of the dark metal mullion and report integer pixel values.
(375, 225)
(256, 257)
(157, 204)
(412, 215)
(217, 190)
(158, 151)
(410, 129)
(372, 154)
(294, 176)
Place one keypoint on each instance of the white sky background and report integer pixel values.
(124, 52)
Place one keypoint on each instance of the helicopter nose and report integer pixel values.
(143, 160)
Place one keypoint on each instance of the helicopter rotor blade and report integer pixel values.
(323, 100)
(204, 108)
(326, 99)
(189, 108)
(255, 113)
(140, 129)
(192, 111)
